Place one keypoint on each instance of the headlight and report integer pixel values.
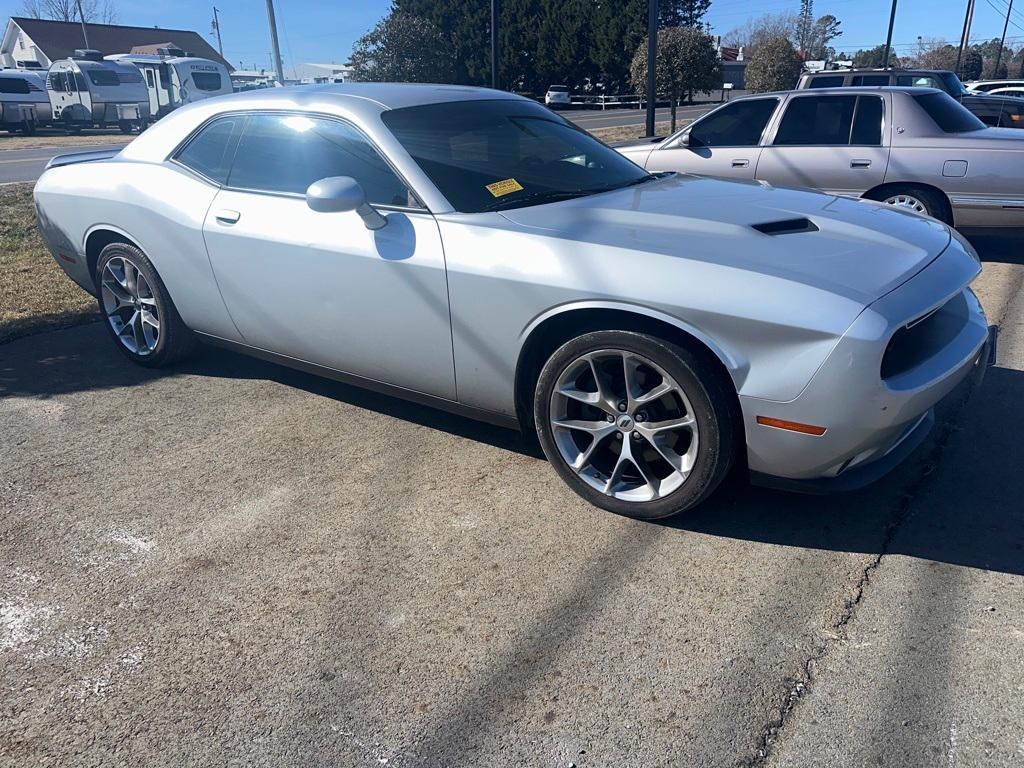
(965, 244)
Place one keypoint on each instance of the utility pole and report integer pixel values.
(81, 16)
(1002, 40)
(888, 37)
(276, 53)
(494, 43)
(216, 27)
(965, 37)
(652, 58)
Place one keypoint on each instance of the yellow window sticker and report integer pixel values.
(505, 187)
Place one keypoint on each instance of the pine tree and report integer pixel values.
(682, 13)
(805, 26)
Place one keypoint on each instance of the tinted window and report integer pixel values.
(209, 152)
(559, 89)
(506, 153)
(867, 122)
(737, 125)
(817, 120)
(78, 82)
(287, 153)
(1013, 114)
(13, 85)
(55, 82)
(102, 77)
(870, 80)
(947, 113)
(827, 81)
(128, 77)
(149, 78)
(920, 81)
(206, 81)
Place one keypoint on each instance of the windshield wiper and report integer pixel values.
(633, 183)
(536, 198)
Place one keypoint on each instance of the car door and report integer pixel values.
(725, 143)
(833, 142)
(322, 287)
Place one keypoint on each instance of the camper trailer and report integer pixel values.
(24, 105)
(86, 91)
(174, 78)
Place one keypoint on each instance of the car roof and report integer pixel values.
(875, 71)
(846, 89)
(385, 95)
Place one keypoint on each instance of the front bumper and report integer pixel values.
(873, 422)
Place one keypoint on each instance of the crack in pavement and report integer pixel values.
(796, 689)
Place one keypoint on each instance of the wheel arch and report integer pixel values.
(553, 328)
(880, 191)
(99, 237)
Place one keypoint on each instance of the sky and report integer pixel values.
(323, 31)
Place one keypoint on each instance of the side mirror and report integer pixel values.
(343, 193)
(684, 140)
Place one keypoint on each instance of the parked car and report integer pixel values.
(173, 78)
(987, 86)
(557, 96)
(86, 91)
(910, 147)
(24, 105)
(1009, 91)
(472, 250)
(996, 111)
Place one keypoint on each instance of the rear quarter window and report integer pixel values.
(827, 81)
(210, 151)
(947, 113)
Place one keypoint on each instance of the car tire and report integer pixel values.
(137, 311)
(918, 199)
(681, 466)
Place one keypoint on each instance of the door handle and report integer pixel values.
(225, 216)
(860, 163)
(740, 163)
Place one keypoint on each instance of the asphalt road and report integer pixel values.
(27, 164)
(610, 118)
(232, 563)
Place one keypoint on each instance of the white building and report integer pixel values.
(321, 73)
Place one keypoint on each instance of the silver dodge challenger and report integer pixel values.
(471, 250)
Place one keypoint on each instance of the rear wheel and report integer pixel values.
(917, 199)
(635, 424)
(140, 316)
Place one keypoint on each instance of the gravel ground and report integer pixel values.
(233, 563)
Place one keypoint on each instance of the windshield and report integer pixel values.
(953, 84)
(504, 153)
(948, 114)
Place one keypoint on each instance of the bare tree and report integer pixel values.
(761, 29)
(94, 11)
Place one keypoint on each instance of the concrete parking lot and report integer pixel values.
(230, 563)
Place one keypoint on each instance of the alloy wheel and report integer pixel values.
(907, 201)
(130, 306)
(624, 425)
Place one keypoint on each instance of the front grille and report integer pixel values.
(924, 336)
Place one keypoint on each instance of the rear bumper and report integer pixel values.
(871, 423)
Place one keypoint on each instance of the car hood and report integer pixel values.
(858, 249)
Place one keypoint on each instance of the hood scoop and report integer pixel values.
(786, 227)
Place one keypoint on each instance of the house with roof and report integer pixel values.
(36, 43)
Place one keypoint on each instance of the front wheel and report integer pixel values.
(635, 424)
(140, 316)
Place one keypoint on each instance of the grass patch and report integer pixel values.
(35, 294)
(630, 132)
(87, 139)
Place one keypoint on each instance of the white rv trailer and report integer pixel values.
(174, 78)
(24, 105)
(87, 91)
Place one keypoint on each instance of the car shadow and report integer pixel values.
(1000, 245)
(977, 521)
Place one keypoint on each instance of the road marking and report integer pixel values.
(26, 160)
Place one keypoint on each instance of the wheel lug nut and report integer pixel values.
(618, 435)
(610, 418)
(641, 416)
(622, 405)
(636, 435)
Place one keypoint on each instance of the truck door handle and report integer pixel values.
(225, 216)
(740, 163)
(860, 163)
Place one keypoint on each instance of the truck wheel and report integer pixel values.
(125, 126)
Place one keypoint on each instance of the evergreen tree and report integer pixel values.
(682, 13)
(805, 26)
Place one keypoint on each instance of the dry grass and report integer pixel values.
(86, 139)
(35, 294)
(628, 132)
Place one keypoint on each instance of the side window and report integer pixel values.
(79, 82)
(738, 125)
(287, 153)
(209, 151)
(1013, 115)
(869, 80)
(55, 82)
(13, 85)
(826, 81)
(920, 81)
(149, 78)
(867, 122)
(816, 120)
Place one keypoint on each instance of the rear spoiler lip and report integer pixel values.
(72, 158)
